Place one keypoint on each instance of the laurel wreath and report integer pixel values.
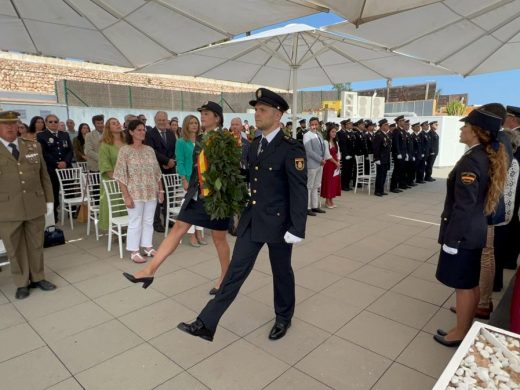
(228, 193)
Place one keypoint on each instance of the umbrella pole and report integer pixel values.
(294, 100)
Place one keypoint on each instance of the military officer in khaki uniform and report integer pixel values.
(25, 197)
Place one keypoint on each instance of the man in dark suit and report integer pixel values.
(58, 154)
(276, 216)
(346, 143)
(301, 130)
(399, 154)
(434, 151)
(381, 146)
(162, 140)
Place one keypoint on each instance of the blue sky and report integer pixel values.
(492, 87)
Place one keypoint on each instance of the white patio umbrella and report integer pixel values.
(133, 33)
(466, 36)
(362, 11)
(292, 57)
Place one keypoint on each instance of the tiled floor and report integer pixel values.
(367, 306)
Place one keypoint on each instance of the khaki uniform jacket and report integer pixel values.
(25, 186)
(92, 142)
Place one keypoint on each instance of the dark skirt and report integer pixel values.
(461, 270)
(194, 214)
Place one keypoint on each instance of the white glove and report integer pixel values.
(449, 250)
(413, 158)
(406, 158)
(377, 162)
(291, 238)
(399, 156)
(50, 208)
(348, 157)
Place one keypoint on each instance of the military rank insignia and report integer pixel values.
(299, 163)
(468, 177)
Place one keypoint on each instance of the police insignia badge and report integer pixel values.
(299, 163)
(468, 177)
(258, 93)
(51, 140)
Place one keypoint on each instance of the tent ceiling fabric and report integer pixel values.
(269, 58)
(133, 33)
(467, 36)
(362, 11)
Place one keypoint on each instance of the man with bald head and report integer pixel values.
(162, 140)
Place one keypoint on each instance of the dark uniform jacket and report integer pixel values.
(25, 186)
(434, 146)
(369, 139)
(278, 178)
(382, 145)
(398, 143)
(424, 145)
(346, 141)
(359, 144)
(464, 224)
(413, 147)
(164, 151)
(56, 148)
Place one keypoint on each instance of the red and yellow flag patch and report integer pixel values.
(468, 177)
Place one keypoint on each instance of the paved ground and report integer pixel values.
(367, 306)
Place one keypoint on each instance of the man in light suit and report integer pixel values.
(315, 151)
(25, 196)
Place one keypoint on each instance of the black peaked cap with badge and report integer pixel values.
(213, 107)
(9, 116)
(485, 120)
(266, 96)
(512, 110)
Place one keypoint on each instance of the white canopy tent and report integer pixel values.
(133, 33)
(292, 57)
(466, 36)
(362, 11)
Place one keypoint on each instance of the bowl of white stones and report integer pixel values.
(488, 358)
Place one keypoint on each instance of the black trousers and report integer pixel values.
(381, 171)
(397, 175)
(430, 160)
(55, 191)
(347, 169)
(419, 169)
(507, 248)
(242, 262)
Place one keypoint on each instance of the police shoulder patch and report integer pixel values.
(299, 163)
(468, 177)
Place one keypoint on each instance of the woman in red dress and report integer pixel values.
(331, 179)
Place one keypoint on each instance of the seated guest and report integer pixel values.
(139, 177)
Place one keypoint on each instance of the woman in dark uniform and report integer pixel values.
(193, 213)
(473, 190)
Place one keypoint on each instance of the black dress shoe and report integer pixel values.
(311, 213)
(346, 189)
(441, 332)
(146, 281)
(196, 328)
(396, 191)
(22, 292)
(412, 185)
(429, 179)
(384, 193)
(158, 228)
(319, 211)
(378, 194)
(447, 343)
(43, 285)
(421, 182)
(279, 330)
(213, 291)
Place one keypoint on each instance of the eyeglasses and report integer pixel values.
(52, 121)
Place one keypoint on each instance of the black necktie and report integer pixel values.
(15, 151)
(163, 135)
(263, 146)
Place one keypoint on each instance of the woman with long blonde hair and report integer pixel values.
(474, 187)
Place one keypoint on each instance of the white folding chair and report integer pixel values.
(117, 213)
(362, 178)
(71, 191)
(174, 195)
(93, 195)
(82, 165)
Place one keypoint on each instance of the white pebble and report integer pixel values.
(484, 354)
(479, 345)
(483, 374)
(454, 380)
(503, 378)
(460, 372)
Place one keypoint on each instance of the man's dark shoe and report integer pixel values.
(378, 194)
(429, 179)
(22, 292)
(319, 211)
(311, 213)
(346, 189)
(421, 182)
(158, 228)
(279, 330)
(396, 191)
(196, 328)
(44, 285)
(384, 193)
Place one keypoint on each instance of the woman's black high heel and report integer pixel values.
(145, 281)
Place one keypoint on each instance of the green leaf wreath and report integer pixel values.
(228, 193)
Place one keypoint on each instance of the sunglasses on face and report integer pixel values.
(52, 121)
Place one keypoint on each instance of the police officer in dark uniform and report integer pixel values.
(434, 150)
(301, 130)
(346, 143)
(57, 152)
(276, 216)
(382, 146)
(424, 147)
(359, 146)
(399, 154)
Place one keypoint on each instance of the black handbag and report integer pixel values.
(53, 236)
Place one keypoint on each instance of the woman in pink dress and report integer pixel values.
(331, 179)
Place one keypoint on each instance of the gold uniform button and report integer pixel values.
(256, 179)
(24, 191)
(256, 168)
(21, 173)
(23, 182)
(270, 168)
(254, 201)
(254, 191)
(278, 214)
